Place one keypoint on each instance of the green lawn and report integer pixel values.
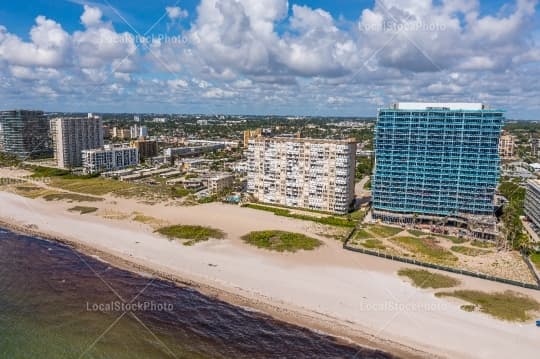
(33, 192)
(535, 258)
(83, 209)
(94, 186)
(468, 251)
(455, 240)
(329, 220)
(363, 234)
(510, 306)
(281, 241)
(424, 279)
(98, 186)
(192, 234)
(417, 233)
(425, 247)
(8, 160)
(179, 192)
(373, 244)
(71, 197)
(27, 188)
(384, 231)
(481, 244)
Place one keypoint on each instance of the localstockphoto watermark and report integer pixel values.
(393, 26)
(390, 306)
(128, 38)
(20, 180)
(119, 306)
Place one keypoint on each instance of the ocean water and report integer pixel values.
(57, 303)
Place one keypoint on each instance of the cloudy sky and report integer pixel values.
(304, 57)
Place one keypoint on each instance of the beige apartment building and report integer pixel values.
(72, 135)
(219, 183)
(507, 145)
(250, 134)
(307, 173)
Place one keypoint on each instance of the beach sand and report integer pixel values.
(353, 296)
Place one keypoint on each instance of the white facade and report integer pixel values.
(74, 134)
(307, 173)
(113, 159)
(143, 131)
(138, 131)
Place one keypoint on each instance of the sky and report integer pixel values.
(297, 57)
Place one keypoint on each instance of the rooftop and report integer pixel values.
(300, 140)
(439, 105)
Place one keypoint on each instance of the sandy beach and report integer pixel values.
(349, 295)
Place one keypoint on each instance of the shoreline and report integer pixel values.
(317, 322)
(357, 299)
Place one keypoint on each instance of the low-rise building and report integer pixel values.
(220, 183)
(191, 151)
(109, 159)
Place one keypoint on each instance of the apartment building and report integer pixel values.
(138, 131)
(306, 173)
(219, 183)
(109, 159)
(146, 148)
(437, 162)
(71, 135)
(25, 134)
(250, 134)
(507, 145)
(121, 133)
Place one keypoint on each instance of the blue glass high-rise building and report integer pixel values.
(25, 134)
(436, 160)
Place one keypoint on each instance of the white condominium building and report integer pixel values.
(109, 159)
(307, 173)
(72, 135)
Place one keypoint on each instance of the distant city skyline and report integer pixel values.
(270, 57)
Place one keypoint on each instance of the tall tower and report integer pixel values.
(25, 133)
(436, 161)
(72, 135)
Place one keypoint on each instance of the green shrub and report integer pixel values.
(508, 305)
(281, 241)
(468, 251)
(83, 209)
(425, 279)
(426, 247)
(194, 234)
(373, 244)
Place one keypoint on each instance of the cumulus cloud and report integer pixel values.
(261, 53)
(100, 45)
(91, 16)
(176, 13)
(48, 47)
